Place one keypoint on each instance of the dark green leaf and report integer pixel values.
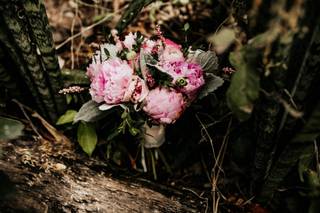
(67, 117)
(314, 206)
(68, 98)
(245, 83)
(207, 60)
(10, 128)
(304, 164)
(87, 137)
(114, 134)
(72, 77)
(213, 82)
(89, 112)
(131, 13)
(159, 75)
(311, 130)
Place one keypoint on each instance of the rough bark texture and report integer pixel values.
(49, 178)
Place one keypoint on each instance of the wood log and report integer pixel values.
(51, 178)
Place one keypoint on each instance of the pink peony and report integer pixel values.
(149, 46)
(137, 90)
(93, 70)
(164, 105)
(187, 76)
(110, 81)
(97, 82)
(171, 52)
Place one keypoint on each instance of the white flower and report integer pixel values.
(130, 40)
(106, 52)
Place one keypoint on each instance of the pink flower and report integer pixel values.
(149, 46)
(188, 77)
(164, 105)
(93, 70)
(130, 40)
(172, 52)
(110, 81)
(137, 90)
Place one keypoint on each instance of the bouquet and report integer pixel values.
(152, 78)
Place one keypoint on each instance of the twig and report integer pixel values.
(296, 83)
(248, 201)
(21, 106)
(288, 108)
(106, 18)
(199, 196)
(207, 133)
(94, 6)
(215, 176)
(72, 30)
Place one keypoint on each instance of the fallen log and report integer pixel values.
(52, 178)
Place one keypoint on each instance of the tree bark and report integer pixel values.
(51, 178)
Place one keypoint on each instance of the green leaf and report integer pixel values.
(245, 83)
(67, 117)
(223, 39)
(74, 77)
(314, 206)
(186, 27)
(68, 98)
(301, 146)
(208, 60)
(87, 137)
(311, 129)
(159, 75)
(89, 112)
(304, 164)
(131, 13)
(134, 131)
(10, 128)
(213, 82)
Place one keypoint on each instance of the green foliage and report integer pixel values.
(300, 145)
(131, 13)
(314, 206)
(208, 60)
(159, 75)
(89, 112)
(186, 27)
(311, 129)
(223, 39)
(245, 85)
(213, 82)
(128, 123)
(87, 137)
(10, 128)
(72, 77)
(67, 117)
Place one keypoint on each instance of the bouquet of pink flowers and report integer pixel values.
(153, 77)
